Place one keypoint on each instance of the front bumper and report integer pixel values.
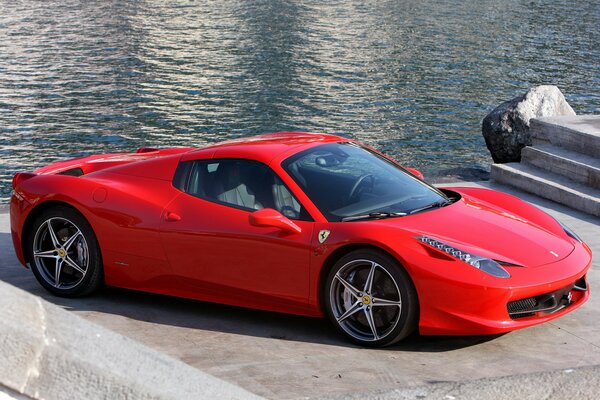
(474, 303)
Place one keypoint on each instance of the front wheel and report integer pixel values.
(371, 299)
(64, 254)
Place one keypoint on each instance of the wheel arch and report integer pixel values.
(346, 249)
(34, 214)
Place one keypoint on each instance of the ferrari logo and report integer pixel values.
(366, 300)
(323, 235)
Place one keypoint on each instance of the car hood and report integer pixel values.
(492, 231)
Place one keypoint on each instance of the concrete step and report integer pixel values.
(548, 185)
(580, 133)
(576, 166)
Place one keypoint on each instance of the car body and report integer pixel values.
(157, 232)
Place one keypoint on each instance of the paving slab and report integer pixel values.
(580, 383)
(281, 356)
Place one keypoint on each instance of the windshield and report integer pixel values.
(345, 180)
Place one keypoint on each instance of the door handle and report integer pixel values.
(172, 217)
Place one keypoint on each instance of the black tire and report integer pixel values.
(391, 306)
(74, 245)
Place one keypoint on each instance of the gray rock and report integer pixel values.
(506, 128)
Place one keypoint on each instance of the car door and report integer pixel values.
(211, 244)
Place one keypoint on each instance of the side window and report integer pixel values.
(244, 184)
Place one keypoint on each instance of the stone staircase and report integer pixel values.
(563, 164)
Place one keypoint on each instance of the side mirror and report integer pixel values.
(416, 173)
(273, 218)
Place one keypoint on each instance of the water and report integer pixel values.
(412, 78)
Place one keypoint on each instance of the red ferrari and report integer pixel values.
(300, 223)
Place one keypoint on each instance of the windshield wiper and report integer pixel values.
(374, 215)
(437, 204)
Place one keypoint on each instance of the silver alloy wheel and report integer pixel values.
(365, 300)
(60, 253)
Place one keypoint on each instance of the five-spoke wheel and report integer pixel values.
(371, 299)
(63, 253)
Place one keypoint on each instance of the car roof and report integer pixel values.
(265, 147)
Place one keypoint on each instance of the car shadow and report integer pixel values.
(193, 314)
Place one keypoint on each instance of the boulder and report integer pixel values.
(506, 128)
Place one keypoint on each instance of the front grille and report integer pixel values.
(546, 303)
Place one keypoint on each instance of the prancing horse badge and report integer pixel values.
(323, 235)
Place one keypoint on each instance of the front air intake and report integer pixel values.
(546, 303)
(522, 306)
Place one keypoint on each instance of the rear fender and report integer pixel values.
(124, 212)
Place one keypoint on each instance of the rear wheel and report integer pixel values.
(64, 254)
(370, 299)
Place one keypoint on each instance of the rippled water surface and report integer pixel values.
(412, 78)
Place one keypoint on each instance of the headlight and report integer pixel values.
(569, 232)
(482, 263)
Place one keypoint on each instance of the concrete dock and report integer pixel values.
(281, 356)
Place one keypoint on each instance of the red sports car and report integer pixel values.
(300, 223)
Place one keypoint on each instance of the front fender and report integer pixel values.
(513, 205)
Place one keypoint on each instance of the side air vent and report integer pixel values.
(72, 172)
(146, 150)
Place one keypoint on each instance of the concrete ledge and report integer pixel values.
(47, 352)
(580, 133)
(575, 166)
(580, 383)
(549, 185)
(8, 394)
